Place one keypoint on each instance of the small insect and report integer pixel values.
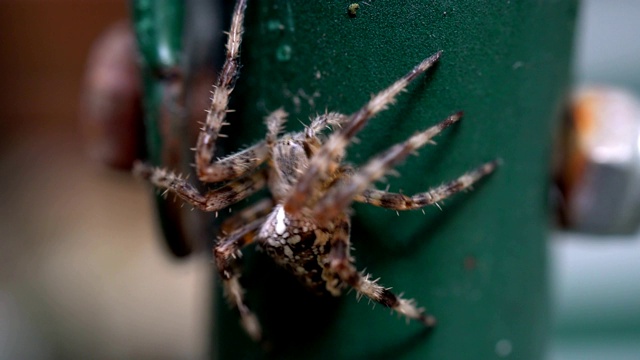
(304, 226)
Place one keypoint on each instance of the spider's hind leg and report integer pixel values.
(341, 264)
(227, 255)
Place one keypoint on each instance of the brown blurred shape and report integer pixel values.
(83, 271)
(44, 46)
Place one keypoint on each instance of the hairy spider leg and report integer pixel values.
(341, 264)
(227, 253)
(214, 200)
(341, 194)
(239, 164)
(327, 160)
(398, 201)
(275, 124)
(252, 212)
(321, 122)
(249, 214)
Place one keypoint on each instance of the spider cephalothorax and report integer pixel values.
(304, 225)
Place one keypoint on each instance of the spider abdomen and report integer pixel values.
(301, 247)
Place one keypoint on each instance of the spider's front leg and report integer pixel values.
(245, 161)
(227, 254)
(396, 201)
(341, 264)
(324, 163)
(340, 196)
(214, 200)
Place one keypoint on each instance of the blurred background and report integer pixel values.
(82, 268)
(596, 278)
(83, 272)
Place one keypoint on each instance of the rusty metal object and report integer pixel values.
(599, 174)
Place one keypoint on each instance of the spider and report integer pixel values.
(304, 226)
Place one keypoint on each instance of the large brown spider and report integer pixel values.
(305, 225)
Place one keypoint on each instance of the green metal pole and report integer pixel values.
(174, 42)
(479, 264)
(158, 26)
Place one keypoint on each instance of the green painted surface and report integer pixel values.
(158, 25)
(479, 265)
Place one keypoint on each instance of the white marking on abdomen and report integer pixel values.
(280, 225)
